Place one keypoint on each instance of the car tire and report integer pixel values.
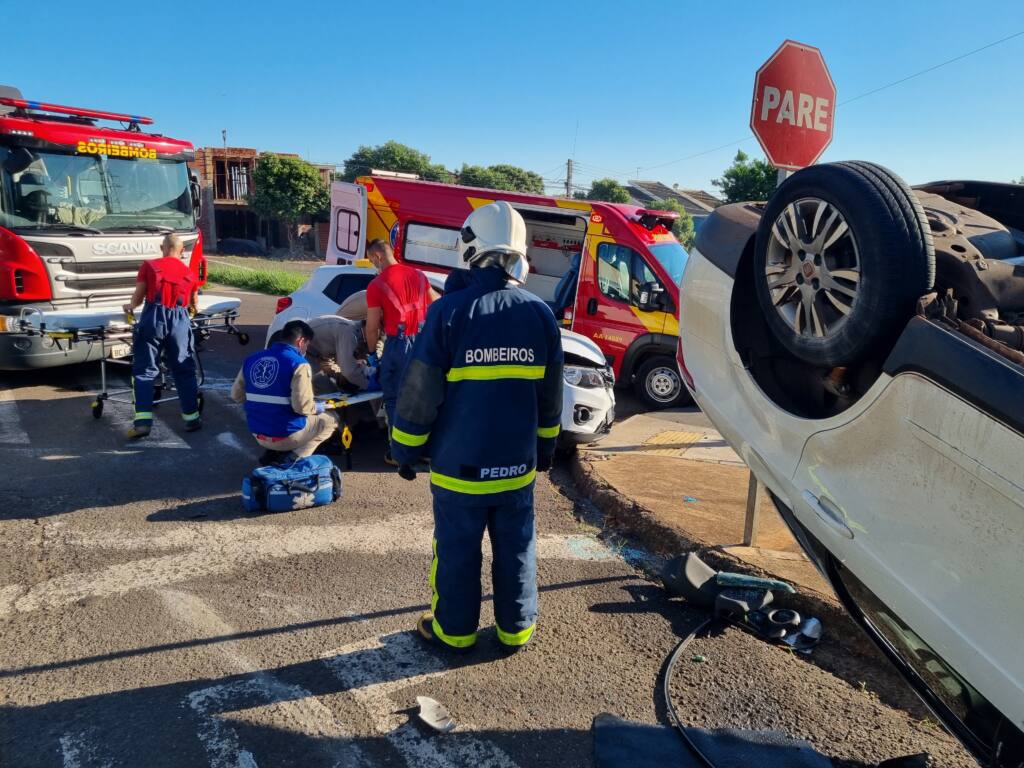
(658, 383)
(842, 254)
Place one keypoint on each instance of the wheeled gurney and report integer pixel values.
(341, 402)
(109, 327)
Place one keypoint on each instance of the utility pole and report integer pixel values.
(568, 177)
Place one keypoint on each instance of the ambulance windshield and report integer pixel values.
(672, 257)
(47, 189)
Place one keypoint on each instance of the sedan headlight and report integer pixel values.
(582, 377)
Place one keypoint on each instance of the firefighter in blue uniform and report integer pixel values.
(169, 290)
(482, 397)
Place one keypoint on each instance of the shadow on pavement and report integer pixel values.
(269, 631)
(68, 460)
(232, 719)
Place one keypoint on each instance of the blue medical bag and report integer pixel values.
(308, 482)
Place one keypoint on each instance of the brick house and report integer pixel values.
(226, 178)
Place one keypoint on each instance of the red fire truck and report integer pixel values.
(82, 205)
(610, 272)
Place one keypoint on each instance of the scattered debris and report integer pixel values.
(689, 499)
(699, 658)
(434, 714)
(742, 600)
(807, 635)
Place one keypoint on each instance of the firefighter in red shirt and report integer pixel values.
(170, 291)
(396, 306)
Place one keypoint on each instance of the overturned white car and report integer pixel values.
(860, 345)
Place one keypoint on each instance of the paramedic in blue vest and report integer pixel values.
(396, 306)
(482, 396)
(169, 290)
(276, 386)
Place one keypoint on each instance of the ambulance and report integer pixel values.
(610, 272)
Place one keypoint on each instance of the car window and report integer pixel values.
(343, 286)
(427, 244)
(621, 272)
(960, 697)
(346, 234)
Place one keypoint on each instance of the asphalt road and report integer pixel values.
(146, 621)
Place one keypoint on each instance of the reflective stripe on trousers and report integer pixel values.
(455, 570)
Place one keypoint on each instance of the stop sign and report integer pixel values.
(794, 106)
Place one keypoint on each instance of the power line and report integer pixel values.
(932, 68)
(698, 154)
(850, 100)
(598, 168)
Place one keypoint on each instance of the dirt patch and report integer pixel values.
(701, 501)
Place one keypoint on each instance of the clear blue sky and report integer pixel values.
(486, 83)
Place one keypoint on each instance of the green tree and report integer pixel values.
(747, 179)
(682, 227)
(517, 179)
(477, 176)
(393, 156)
(287, 188)
(608, 190)
(508, 177)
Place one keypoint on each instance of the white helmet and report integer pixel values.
(495, 234)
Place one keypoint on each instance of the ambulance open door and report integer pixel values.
(347, 240)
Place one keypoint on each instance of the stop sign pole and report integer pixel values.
(793, 110)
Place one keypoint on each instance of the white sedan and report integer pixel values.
(588, 407)
(858, 343)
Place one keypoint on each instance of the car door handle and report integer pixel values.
(592, 307)
(829, 514)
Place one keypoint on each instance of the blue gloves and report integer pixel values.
(319, 407)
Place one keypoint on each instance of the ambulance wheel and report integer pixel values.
(659, 385)
(97, 408)
(158, 392)
(243, 338)
(843, 252)
(200, 402)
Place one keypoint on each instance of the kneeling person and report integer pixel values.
(276, 385)
(340, 351)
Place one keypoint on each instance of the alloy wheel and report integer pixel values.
(812, 267)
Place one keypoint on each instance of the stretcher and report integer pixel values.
(341, 402)
(109, 327)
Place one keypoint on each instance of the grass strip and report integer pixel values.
(276, 282)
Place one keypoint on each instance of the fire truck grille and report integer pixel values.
(101, 284)
(103, 267)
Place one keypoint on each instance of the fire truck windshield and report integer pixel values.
(49, 189)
